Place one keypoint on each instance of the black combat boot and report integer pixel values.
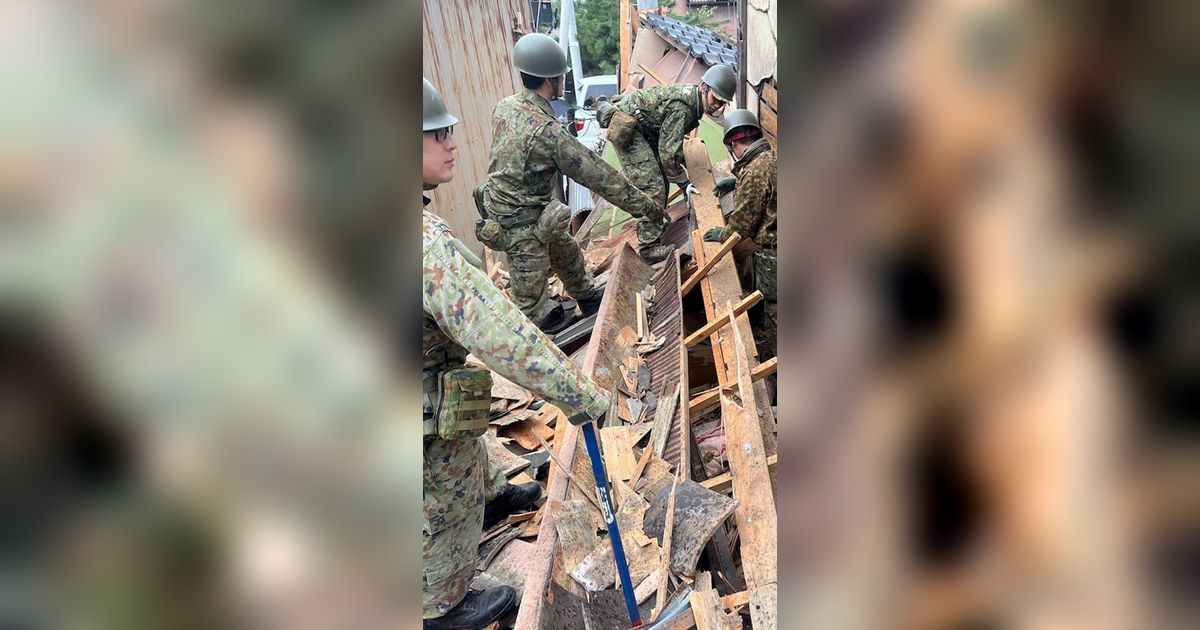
(592, 304)
(512, 499)
(554, 320)
(658, 253)
(476, 611)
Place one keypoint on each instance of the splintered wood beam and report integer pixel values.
(756, 515)
(712, 327)
(712, 397)
(724, 481)
(726, 247)
(668, 529)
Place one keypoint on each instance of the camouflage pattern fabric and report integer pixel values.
(641, 167)
(756, 196)
(754, 216)
(530, 149)
(472, 314)
(654, 155)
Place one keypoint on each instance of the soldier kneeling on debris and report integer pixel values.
(464, 312)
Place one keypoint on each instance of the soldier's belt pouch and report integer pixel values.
(621, 129)
(489, 232)
(464, 399)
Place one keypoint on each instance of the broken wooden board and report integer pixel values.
(503, 458)
(699, 512)
(576, 534)
(527, 431)
(662, 421)
(659, 474)
(664, 565)
(617, 444)
(710, 614)
(598, 570)
(511, 565)
(489, 549)
(764, 607)
(712, 397)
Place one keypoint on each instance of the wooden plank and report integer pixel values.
(642, 326)
(618, 455)
(653, 74)
(769, 121)
(648, 587)
(722, 284)
(724, 481)
(663, 414)
(685, 419)
(726, 247)
(770, 95)
(712, 327)
(709, 613)
(577, 538)
(531, 432)
(712, 397)
(665, 562)
(764, 607)
(756, 515)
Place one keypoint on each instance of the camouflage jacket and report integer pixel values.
(665, 114)
(469, 309)
(529, 150)
(756, 196)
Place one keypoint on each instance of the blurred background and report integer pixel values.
(989, 240)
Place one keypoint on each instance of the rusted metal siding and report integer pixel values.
(468, 56)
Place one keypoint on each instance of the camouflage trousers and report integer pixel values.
(641, 167)
(532, 255)
(765, 281)
(458, 480)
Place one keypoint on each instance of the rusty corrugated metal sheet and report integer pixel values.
(666, 320)
(468, 56)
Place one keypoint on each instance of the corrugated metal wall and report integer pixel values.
(468, 57)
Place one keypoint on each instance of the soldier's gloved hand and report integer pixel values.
(692, 190)
(604, 113)
(724, 185)
(713, 235)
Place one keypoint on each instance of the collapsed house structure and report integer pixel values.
(690, 443)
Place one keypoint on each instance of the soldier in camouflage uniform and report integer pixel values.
(646, 128)
(464, 312)
(753, 216)
(530, 149)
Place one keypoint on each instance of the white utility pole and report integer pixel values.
(568, 38)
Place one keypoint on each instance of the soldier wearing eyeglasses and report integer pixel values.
(464, 312)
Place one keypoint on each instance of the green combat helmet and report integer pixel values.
(538, 55)
(740, 118)
(433, 110)
(722, 80)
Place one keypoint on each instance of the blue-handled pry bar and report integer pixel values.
(610, 520)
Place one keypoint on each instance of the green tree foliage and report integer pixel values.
(704, 17)
(597, 25)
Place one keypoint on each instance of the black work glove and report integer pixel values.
(724, 185)
(713, 235)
